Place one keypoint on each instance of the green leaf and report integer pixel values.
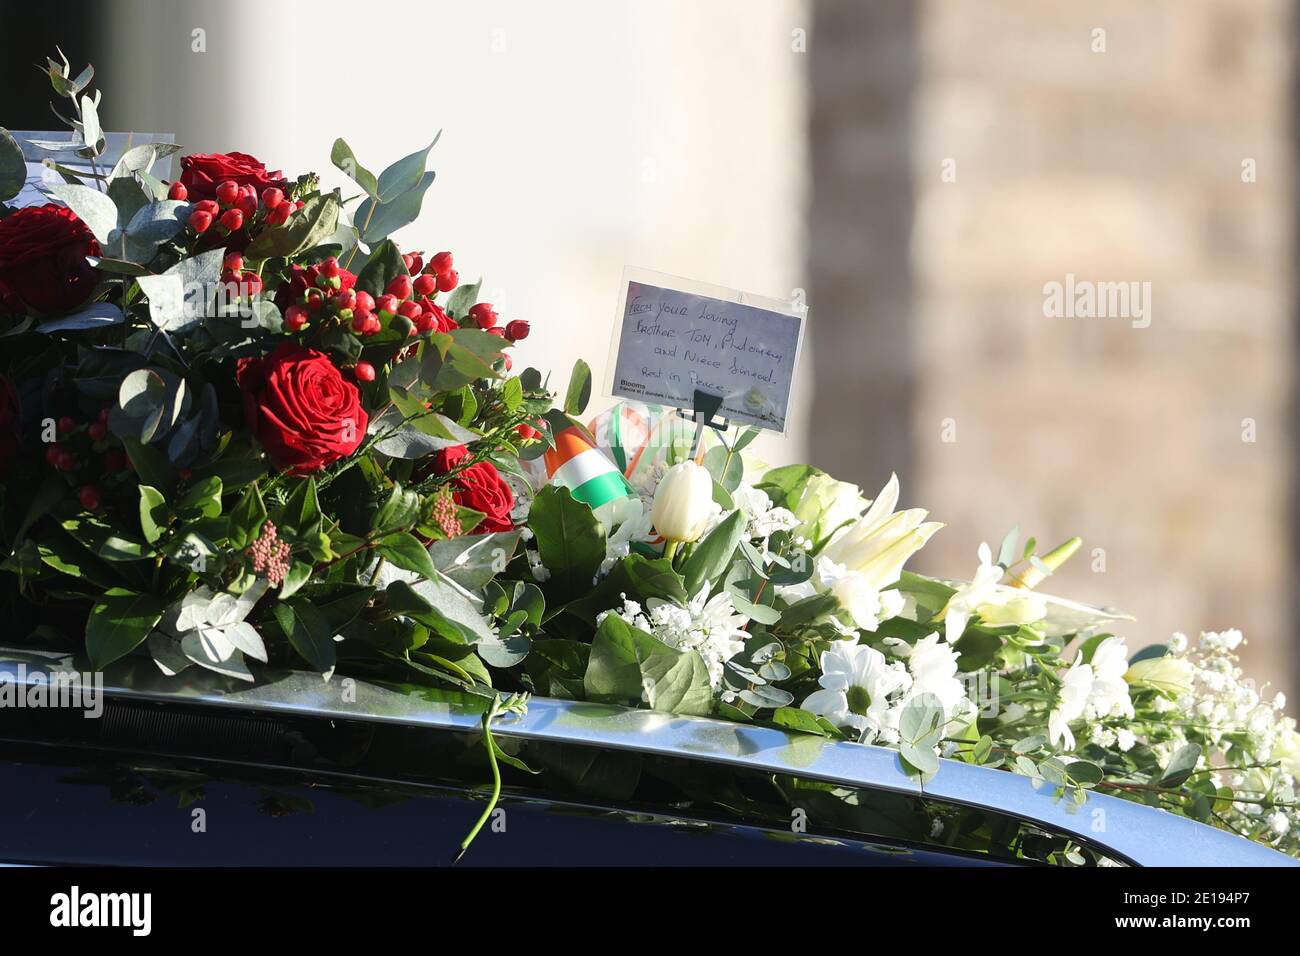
(399, 512)
(92, 207)
(150, 464)
(153, 513)
(308, 631)
(118, 623)
(626, 663)
(405, 551)
(307, 228)
(13, 168)
(384, 265)
(570, 539)
(1181, 765)
(712, 556)
(795, 718)
(201, 498)
(462, 297)
(247, 518)
(342, 157)
(579, 391)
(302, 510)
(512, 394)
(379, 221)
(405, 174)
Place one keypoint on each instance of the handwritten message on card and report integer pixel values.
(675, 341)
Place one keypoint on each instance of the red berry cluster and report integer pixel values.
(237, 206)
(238, 282)
(76, 449)
(412, 298)
(322, 290)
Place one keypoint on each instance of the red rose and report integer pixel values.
(481, 487)
(300, 408)
(202, 173)
(43, 264)
(9, 419)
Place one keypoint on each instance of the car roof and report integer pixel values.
(1127, 831)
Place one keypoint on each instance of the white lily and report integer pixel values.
(878, 544)
(994, 602)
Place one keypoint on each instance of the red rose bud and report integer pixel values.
(425, 285)
(199, 221)
(409, 310)
(89, 497)
(365, 301)
(177, 191)
(388, 303)
(365, 371)
(400, 287)
(440, 264)
(517, 330)
(114, 460)
(233, 220)
(447, 280)
(295, 317)
(65, 425)
(228, 192)
(97, 431)
(330, 267)
(279, 215)
(483, 315)
(272, 197)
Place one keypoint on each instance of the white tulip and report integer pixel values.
(683, 503)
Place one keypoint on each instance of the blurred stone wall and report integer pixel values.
(1117, 142)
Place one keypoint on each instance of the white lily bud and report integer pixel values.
(683, 502)
(1171, 675)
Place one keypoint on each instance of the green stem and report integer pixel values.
(496, 778)
(670, 549)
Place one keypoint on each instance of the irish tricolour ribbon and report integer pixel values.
(575, 463)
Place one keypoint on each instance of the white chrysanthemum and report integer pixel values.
(708, 625)
(933, 665)
(856, 683)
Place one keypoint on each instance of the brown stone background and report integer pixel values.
(1115, 166)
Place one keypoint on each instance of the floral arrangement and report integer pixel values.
(240, 426)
